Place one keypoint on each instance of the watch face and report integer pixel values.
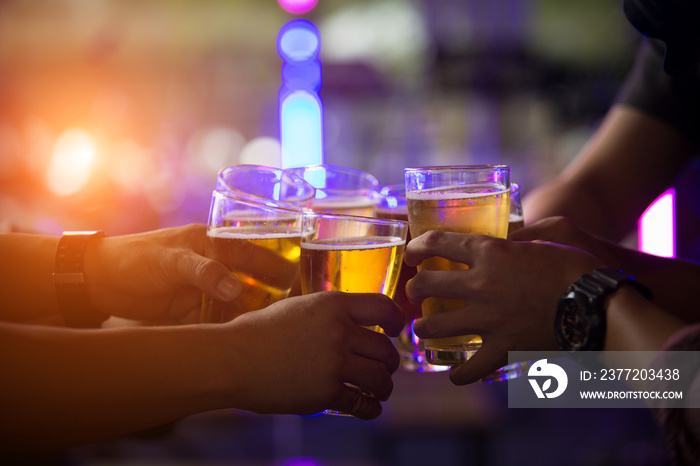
(574, 324)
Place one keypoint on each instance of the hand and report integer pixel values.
(157, 276)
(299, 353)
(511, 291)
(561, 230)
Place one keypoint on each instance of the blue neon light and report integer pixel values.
(301, 129)
(298, 41)
(301, 110)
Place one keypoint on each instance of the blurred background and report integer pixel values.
(117, 115)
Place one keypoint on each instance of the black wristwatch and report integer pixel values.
(580, 322)
(69, 280)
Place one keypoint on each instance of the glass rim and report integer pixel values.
(354, 218)
(336, 168)
(261, 203)
(298, 181)
(457, 167)
(339, 169)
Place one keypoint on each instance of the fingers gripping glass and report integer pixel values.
(471, 199)
(351, 254)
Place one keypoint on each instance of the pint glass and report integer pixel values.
(341, 190)
(260, 244)
(516, 221)
(272, 186)
(392, 205)
(471, 199)
(351, 254)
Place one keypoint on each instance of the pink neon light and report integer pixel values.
(297, 7)
(657, 226)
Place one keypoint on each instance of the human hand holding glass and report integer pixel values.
(508, 317)
(392, 205)
(260, 244)
(471, 199)
(352, 255)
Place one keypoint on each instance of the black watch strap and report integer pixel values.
(580, 323)
(69, 280)
(614, 279)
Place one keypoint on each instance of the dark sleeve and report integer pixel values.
(681, 426)
(675, 100)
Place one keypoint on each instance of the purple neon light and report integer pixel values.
(657, 226)
(297, 7)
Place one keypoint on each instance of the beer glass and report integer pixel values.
(515, 222)
(341, 190)
(351, 254)
(471, 199)
(272, 186)
(260, 244)
(392, 205)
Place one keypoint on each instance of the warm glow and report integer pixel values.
(71, 162)
(657, 227)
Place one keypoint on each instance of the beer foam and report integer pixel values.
(240, 233)
(345, 244)
(456, 192)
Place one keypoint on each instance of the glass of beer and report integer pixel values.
(392, 205)
(351, 254)
(260, 244)
(341, 190)
(270, 185)
(471, 199)
(516, 221)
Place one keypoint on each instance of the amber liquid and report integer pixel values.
(482, 210)
(266, 264)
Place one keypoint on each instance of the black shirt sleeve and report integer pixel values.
(675, 100)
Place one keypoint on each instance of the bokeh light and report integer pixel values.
(71, 163)
(301, 111)
(298, 41)
(297, 7)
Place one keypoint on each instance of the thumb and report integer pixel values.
(355, 403)
(210, 276)
(486, 360)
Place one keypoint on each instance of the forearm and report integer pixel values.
(631, 159)
(66, 387)
(26, 284)
(672, 281)
(569, 197)
(636, 324)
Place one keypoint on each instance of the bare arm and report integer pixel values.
(673, 281)
(157, 276)
(64, 387)
(511, 292)
(636, 324)
(629, 161)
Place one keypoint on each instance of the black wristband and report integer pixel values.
(69, 280)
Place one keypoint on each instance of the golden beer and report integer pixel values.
(265, 261)
(475, 209)
(368, 264)
(515, 223)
